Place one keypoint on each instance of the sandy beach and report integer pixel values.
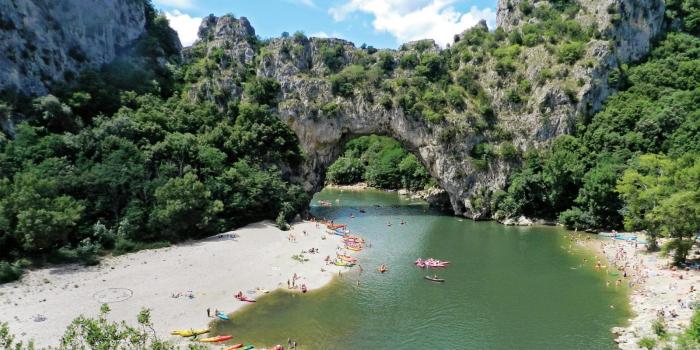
(45, 301)
(657, 289)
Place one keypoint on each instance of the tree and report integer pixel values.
(662, 196)
(184, 208)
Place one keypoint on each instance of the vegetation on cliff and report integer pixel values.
(635, 164)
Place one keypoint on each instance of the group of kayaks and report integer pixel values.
(430, 262)
(215, 339)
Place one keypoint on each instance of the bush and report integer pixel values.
(263, 90)
(408, 61)
(281, 222)
(12, 271)
(87, 252)
(330, 109)
(659, 327)
(647, 343)
(571, 52)
(332, 55)
(125, 245)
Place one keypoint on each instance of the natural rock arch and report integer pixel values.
(324, 120)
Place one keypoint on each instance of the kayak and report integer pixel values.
(347, 258)
(353, 248)
(434, 279)
(245, 298)
(343, 263)
(217, 339)
(222, 316)
(234, 346)
(189, 332)
(249, 347)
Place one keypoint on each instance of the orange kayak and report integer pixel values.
(234, 346)
(217, 339)
(347, 258)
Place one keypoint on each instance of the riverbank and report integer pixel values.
(435, 196)
(177, 283)
(657, 289)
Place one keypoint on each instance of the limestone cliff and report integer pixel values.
(45, 40)
(498, 94)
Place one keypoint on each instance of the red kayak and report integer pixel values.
(235, 346)
(217, 339)
(245, 298)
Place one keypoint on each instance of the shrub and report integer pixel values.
(281, 222)
(12, 271)
(330, 109)
(263, 90)
(87, 252)
(508, 151)
(647, 343)
(332, 55)
(343, 83)
(125, 245)
(571, 52)
(408, 61)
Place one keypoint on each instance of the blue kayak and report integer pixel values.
(222, 316)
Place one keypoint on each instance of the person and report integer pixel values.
(208, 312)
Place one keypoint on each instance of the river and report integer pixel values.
(506, 287)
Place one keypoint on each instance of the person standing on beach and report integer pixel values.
(208, 312)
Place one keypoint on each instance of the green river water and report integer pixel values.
(506, 288)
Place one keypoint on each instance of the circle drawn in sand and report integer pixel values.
(113, 295)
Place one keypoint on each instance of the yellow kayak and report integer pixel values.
(189, 332)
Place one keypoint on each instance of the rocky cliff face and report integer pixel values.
(499, 97)
(46, 40)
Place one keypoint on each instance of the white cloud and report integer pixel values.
(319, 35)
(326, 35)
(183, 4)
(185, 26)
(409, 20)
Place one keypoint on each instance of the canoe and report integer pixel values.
(234, 346)
(433, 279)
(222, 316)
(347, 258)
(355, 249)
(217, 339)
(189, 332)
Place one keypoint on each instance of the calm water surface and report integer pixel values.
(507, 288)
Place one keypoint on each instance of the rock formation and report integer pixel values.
(325, 121)
(42, 41)
(467, 111)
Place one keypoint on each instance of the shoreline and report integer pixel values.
(655, 289)
(204, 273)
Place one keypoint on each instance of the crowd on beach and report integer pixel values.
(659, 291)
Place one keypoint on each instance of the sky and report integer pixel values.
(379, 23)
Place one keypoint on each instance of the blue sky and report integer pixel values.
(380, 23)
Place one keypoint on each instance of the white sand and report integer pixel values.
(213, 269)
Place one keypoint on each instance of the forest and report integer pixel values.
(120, 159)
(381, 162)
(635, 164)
